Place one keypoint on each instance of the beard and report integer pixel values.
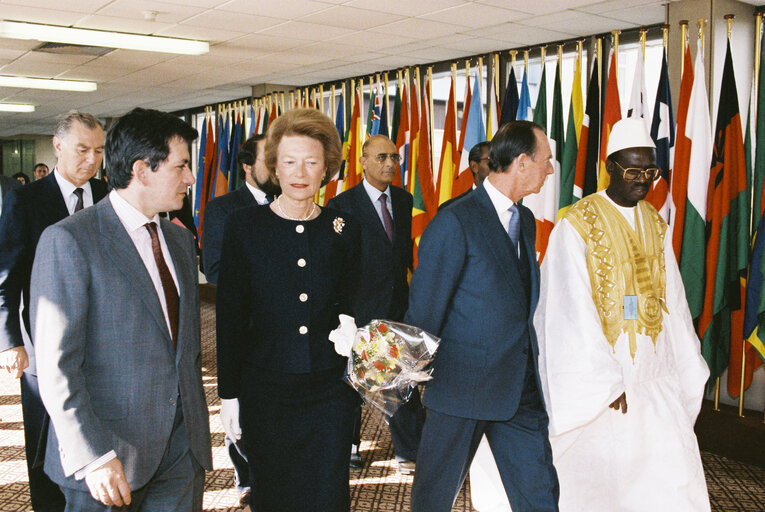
(268, 186)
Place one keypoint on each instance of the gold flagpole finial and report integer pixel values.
(729, 19)
(615, 42)
(513, 53)
(643, 31)
(542, 53)
(526, 61)
(664, 36)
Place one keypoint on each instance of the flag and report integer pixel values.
(663, 135)
(234, 179)
(586, 176)
(472, 132)
(510, 104)
(492, 108)
(383, 130)
(220, 183)
(425, 201)
(758, 207)
(637, 106)
(681, 160)
(375, 109)
(353, 171)
(544, 204)
(199, 183)
(414, 133)
(450, 155)
(721, 321)
(263, 124)
(754, 316)
(209, 163)
(254, 113)
(274, 113)
(693, 158)
(573, 129)
(336, 182)
(612, 112)
(524, 102)
(401, 126)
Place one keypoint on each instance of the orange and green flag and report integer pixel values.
(612, 112)
(450, 155)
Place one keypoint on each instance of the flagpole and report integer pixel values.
(430, 116)
(643, 31)
(345, 103)
(387, 102)
(615, 43)
(526, 62)
(332, 112)
(683, 45)
(512, 58)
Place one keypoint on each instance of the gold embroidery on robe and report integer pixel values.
(623, 261)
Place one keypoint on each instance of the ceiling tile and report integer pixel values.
(543, 7)
(86, 6)
(360, 19)
(522, 35)
(94, 72)
(644, 15)
(246, 23)
(406, 7)
(210, 35)
(425, 29)
(134, 9)
(372, 40)
(475, 15)
(578, 23)
(310, 31)
(284, 9)
(40, 15)
(132, 60)
(265, 42)
(34, 69)
(134, 26)
(616, 5)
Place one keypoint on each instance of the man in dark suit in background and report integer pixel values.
(115, 316)
(385, 214)
(257, 189)
(476, 287)
(79, 145)
(478, 160)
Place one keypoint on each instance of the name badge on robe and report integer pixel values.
(630, 307)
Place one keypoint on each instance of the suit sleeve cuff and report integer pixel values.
(103, 459)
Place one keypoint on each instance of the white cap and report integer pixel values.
(630, 132)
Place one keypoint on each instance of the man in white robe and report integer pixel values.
(621, 369)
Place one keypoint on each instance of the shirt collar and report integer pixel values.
(259, 195)
(501, 202)
(67, 187)
(131, 218)
(374, 193)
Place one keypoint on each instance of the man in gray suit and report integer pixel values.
(115, 318)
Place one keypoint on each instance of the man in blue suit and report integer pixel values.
(476, 286)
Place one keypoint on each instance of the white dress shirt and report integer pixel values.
(259, 195)
(374, 196)
(67, 190)
(501, 203)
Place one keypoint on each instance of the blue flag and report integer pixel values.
(524, 103)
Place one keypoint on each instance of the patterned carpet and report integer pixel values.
(378, 487)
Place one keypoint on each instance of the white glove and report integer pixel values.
(229, 416)
(344, 335)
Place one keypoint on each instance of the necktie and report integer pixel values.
(80, 203)
(168, 285)
(269, 198)
(387, 220)
(514, 229)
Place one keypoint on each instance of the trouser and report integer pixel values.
(177, 485)
(45, 495)
(520, 446)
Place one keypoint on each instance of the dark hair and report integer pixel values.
(141, 134)
(476, 152)
(21, 175)
(65, 123)
(307, 122)
(40, 165)
(249, 151)
(511, 140)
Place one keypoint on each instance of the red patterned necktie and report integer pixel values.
(168, 285)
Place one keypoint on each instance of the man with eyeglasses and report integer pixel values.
(620, 362)
(385, 213)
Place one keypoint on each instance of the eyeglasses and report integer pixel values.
(633, 173)
(382, 157)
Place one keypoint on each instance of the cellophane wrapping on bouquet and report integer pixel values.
(388, 360)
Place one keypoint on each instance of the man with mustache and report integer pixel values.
(619, 359)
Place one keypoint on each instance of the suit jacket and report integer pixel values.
(468, 290)
(27, 211)
(216, 212)
(383, 290)
(454, 199)
(109, 376)
(7, 183)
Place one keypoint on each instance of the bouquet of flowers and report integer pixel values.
(386, 360)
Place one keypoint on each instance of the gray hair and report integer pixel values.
(89, 120)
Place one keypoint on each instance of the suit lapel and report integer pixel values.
(497, 238)
(52, 200)
(368, 212)
(528, 226)
(121, 249)
(399, 206)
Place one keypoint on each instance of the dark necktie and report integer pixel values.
(387, 220)
(80, 203)
(514, 229)
(269, 198)
(168, 285)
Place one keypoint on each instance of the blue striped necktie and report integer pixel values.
(514, 229)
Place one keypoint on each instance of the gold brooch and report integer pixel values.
(339, 224)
